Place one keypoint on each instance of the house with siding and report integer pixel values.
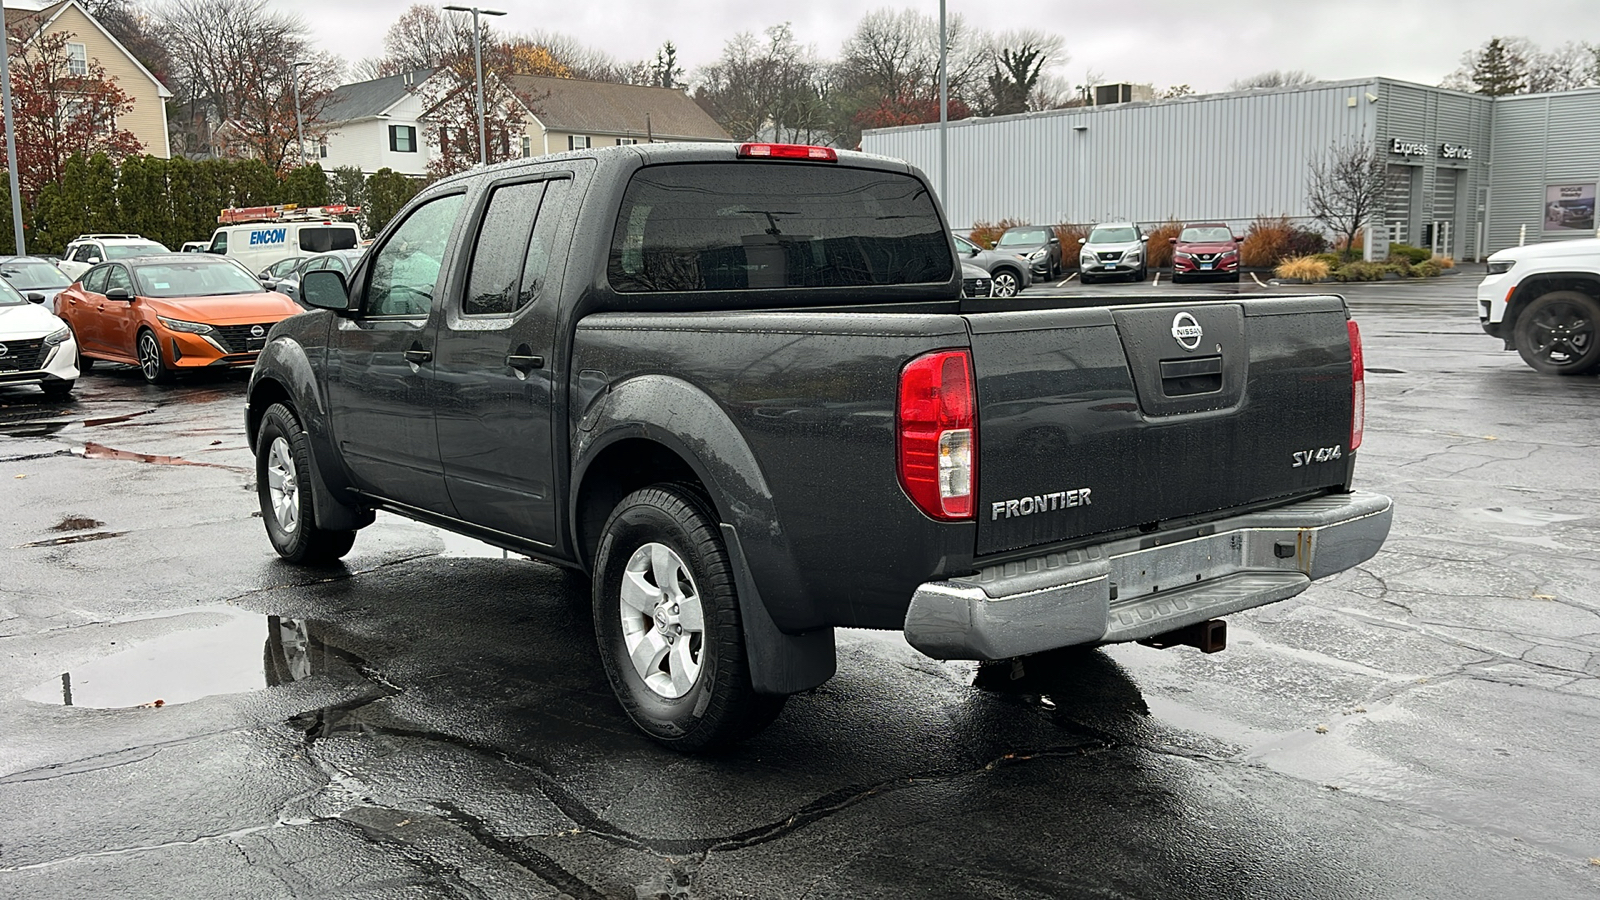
(573, 114)
(88, 40)
(376, 124)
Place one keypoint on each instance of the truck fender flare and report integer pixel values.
(292, 381)
(680, 417)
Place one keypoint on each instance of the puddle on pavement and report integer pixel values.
(461, 546)
(111, 420)
(1373, 370)
(73, 539)
(92, 450)
(243, 652)
(76, 523)
(1509, 515)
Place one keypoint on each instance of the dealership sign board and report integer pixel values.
(1403, 147)
(1569, 207)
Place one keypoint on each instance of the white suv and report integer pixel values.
(87, 250)
(1543, 301)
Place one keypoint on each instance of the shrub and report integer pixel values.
(1158, 253)
(984, 234)
(1412, 254)
(1305, 268)
(1266, 242)
(1351, 251)
(1429, 269)
(1305, 242)
(1070, 235)
(1332, 259)
(1362, 271)
(1401, 265)
(1444, 262)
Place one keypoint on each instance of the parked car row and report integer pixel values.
(1026, 253)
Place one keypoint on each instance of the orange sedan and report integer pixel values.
(171, 312)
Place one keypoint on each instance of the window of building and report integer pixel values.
(527, 146)
(577, 142)
(402, 138)
(623, 142)
(77, 59)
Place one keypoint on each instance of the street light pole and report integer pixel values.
(477, 62)
(299, 127)
(944, 112)
(11, 135)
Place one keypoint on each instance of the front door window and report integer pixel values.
(405, 272)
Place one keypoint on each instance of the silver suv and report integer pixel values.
(1113, 250)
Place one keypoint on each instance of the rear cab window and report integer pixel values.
(764, 225)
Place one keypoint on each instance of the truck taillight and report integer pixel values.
(937, 440)
(1358, 386)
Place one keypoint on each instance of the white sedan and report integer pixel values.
(35, 346)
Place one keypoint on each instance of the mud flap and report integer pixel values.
(779, 663)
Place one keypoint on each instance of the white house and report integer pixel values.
(376, 124)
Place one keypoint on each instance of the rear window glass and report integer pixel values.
(321, 240)
(761, 225)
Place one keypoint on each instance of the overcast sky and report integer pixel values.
(1204, 44)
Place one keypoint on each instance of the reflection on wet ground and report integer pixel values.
(239, 652)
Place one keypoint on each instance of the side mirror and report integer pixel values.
(92, 260)
(1081, 240)
(1172, 241)
(1144, 238)
(1054, 239)
(34, 297)
(974, 251)
(1238, 239)
(325, 289)
(119, 294)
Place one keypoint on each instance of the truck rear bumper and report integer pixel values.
(1144, 586)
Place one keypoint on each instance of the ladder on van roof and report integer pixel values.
(289, 212)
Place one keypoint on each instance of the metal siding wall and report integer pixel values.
(1231, 157)
(1539, 140)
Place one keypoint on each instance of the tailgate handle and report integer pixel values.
(1182, 377)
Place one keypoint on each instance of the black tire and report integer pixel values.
(1178, 279)
(85, 364)
(57, 390)
(1085, 277)
(1234, 278)
(698, 696)
(152, 365)
(1556, 333)
(1006, 283)
(283, 488)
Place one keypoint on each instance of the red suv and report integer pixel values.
(1209, 250)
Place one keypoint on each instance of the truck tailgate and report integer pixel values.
(1106, 419)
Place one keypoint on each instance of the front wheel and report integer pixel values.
(283, 487)
(1556, 333)
(667, 620)
(150, 365)
(1006, 283)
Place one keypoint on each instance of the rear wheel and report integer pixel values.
(667, 620)
(151, 365)
(1006, 283)
(1556, 334)
(283, 487)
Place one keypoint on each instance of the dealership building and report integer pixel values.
(1467, 174)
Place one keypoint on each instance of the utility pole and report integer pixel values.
(299, 127)
(477, 62)
(11, 134)
(944, 111)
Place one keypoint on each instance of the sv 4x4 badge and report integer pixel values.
(1319, 455)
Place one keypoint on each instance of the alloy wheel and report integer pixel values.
(149, 356)
(282, 486)
(1004, 284)
(1562, 333)
(663, 622)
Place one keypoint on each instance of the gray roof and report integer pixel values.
(602, 107)
(366, 99)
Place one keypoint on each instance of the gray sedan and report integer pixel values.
(1008, 273)
(341, 261)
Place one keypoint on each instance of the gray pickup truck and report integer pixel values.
(738, 386)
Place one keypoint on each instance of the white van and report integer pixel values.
(258, 245)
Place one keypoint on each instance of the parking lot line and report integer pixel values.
(1063, 282)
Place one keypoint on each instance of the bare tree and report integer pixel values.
(1345, 188)
(888, 71)
(232, 62)
(1273, 78)
(1019, 61)
(766, 88)
(1572, 66)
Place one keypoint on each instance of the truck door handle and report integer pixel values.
(525, 363)
(418, 355)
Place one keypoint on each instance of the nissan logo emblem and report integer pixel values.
(258, 331)
(4, 350)
(1186, 331)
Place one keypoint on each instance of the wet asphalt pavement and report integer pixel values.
(431, 719)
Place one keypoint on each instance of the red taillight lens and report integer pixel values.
(938, 443)
(1358, 387)
(788, 151)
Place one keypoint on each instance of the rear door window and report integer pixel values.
(502, 244)
(321, 239)
(95, 280)
(762, 225)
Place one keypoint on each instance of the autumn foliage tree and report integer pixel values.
(60, 114)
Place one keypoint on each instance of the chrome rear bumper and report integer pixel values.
(1135, 588)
